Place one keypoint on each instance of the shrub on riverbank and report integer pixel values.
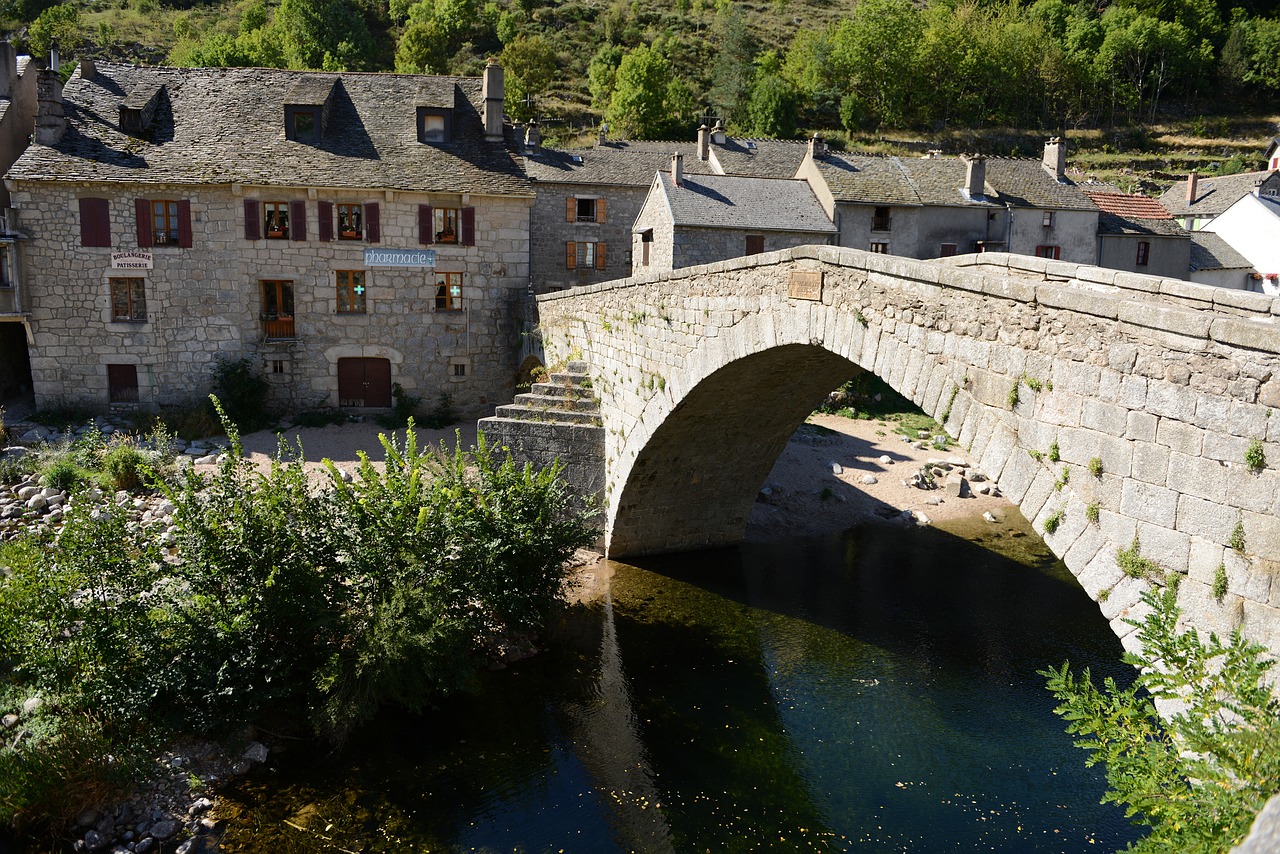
(322, 603)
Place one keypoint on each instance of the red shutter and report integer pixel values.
(372, 223)
(95, 222)
(571, 255)
(184, 224)
(571, 209)
(298, 220)
(426, 222)
(599, 256)
(252, 231)
(600, 207)
(325, 228)
(143, 209)
(468, 226)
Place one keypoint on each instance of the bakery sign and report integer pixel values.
(132, 261)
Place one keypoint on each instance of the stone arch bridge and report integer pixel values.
(703, 375)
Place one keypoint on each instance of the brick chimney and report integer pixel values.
(704, 143)
(817, 147)
(717, 133)
(1055, 158)
(1193, 181)
(51, 121)
(677, 169)
(532, 138)
(492, 89)
(975, 176)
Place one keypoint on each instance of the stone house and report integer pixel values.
(17, 121)
(688, 220)
(1197, 201)
(1137, 234)
(1251, 227)
(588, 198)
(936, 206)
(344, 231)
(1214, 262)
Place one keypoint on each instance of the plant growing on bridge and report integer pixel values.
(1062, 479)
(1013, 394)
(1095, 466)
(1053, 521)
(1198, 777)
(1054, 455)
(1254, 457)
(1092, 512)
(1236, 541)
(1220, 581)
(1134, 565)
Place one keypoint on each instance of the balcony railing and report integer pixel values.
(278, 326)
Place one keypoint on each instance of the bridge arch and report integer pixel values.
(1165, 384)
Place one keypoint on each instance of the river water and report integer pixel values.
(872, 690)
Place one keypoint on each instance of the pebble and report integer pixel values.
(836, 468)
(990, 517)
(869, 479)
(164, 828)
(885, 460)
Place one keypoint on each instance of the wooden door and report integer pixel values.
(364, 382)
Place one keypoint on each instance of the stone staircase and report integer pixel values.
(565, 398)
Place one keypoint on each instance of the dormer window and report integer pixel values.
(139, 108)
(435, 125)
(302, 124)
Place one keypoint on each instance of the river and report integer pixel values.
(874, 690)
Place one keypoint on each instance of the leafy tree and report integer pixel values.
(640, 107)
(731, 74)
(601, 74)
(1198, 777)
(873, 52)
(328, 34)
(529, 63)
(61, 22)
(423, 49)
(771, 110)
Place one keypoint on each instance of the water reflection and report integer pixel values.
(876, 687)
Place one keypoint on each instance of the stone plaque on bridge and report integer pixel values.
(805, 284)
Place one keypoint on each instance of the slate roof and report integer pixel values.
(879, 180)
(1213, 195)
(1122, 213)
(763, 158)
(737, 201)
(226, 125)
(1210, 252)
(613, 163)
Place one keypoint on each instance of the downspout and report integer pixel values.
(1008, 228)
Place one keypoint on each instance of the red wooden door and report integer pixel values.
(364, 382)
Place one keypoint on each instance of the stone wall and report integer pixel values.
(693, 246)
(205, 302)
(1153, 392)
(549, 231)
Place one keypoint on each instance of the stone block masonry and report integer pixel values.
(702, 376)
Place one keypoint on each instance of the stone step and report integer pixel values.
(562, 391)
(542, 401)
(517, 412)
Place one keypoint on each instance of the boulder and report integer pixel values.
(956, 486)
(256, 752)
(164, 828)
(836, 468)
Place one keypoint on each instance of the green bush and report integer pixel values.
(123, 464)
(1198, 777)
(63, 474)
(242, 391)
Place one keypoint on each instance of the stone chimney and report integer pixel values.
(492, 89)
(817, 147)
(8, 69)
(87, 69)
(677, 169)
(51, 121)
(704, 143)
(603, 137)
(1193, 181)
(1055, 158)
(975, 175)
(934, 154)
(717, 133)
(532, 138)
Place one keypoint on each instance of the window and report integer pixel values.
(448, 292)
(584, 255)
(350, 222)
(275, 219)
(122, 383)
(95, 222)
(947, 250)
(351, 292)
(301, 124)
(164, 222)
(277, 308)
(1144, 253)
(755, 244)
(6, 281)
(646, 240)
(276, 366)
(434, 125)
(1054, 252)
(880, 248)
(446, 225)
(880, 220)
(578, 209)
(1048, 219)
(128, 300)
(459, 369)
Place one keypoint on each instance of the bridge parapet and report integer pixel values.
(1155, 394)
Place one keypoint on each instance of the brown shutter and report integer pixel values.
(468, 226)
(372, 223)
(599, 256)
(571, 255)
(426, 222)
(184, 223)
(143, 209)
(252, 231)
(325, 228)
(95, 222)
(298, 220)
(600, 207)
(571, 209)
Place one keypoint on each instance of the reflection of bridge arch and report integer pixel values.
(703, 375)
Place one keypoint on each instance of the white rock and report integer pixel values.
(30, 705)
(956, 461)
(207, 460)
(256, 752)
(990, 517)
(885, 460)
(922, 519)
(37, 502)
(27, 491)
(836, 468)
(869, 479)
